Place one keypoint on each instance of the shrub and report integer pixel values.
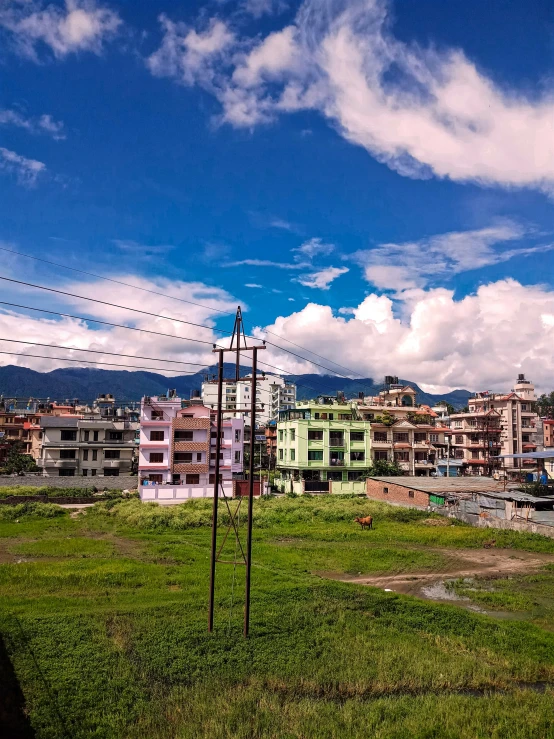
(38, 510)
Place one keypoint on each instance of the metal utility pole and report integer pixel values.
(246, 557)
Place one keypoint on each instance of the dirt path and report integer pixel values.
(457, 563)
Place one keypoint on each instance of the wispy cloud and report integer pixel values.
(257, 8)
(284, 225)
(323, 278)
(266, 263)
(422, 111)
(253, 285)
(26, 171)
(312, 248)
(44, 124)
(416, 264)
(82, 25)
(144, 251)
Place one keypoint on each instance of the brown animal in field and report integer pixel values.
(489, 544)
(365, 521)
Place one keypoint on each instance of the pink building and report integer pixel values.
(177, 447)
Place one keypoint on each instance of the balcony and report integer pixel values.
(61, 463)
(336, 462)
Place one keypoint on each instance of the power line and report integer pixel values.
(84, 361)
(181, 300)
(98, 351)
(111, 305)
(106, 323)
(117, 282)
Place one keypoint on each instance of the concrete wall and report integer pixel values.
(497, 523)
(397, 493)
(122, 482)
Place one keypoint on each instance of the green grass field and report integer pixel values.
(104, 619)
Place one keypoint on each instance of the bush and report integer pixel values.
(26, 510)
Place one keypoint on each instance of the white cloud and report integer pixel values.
(257, 8)
(82, 25)
(190, 55)
(421, 111)
(480, 342)
(415, 264)
(315, 247)
(266, 263)
(323, 278)
(25, 170)
(44, 124)
(253, 285)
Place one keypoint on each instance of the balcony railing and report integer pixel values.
(336, 462)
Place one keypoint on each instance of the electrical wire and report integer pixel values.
(84, 361)
(117, 282)
(98, 351)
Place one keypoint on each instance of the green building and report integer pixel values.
(322, 446)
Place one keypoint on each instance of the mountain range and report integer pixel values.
(86, 384)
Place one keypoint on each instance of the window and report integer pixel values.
(353, 475)
(85, 473)
(152, 478)
(402, 456)
(212, 479)
(69, 436)
(410, 493)
(379, 436)
(315, 456)
(281, 454)
(112, 454)
(525, 437)
(67, 473)
(419, 436)
(459, 439)
(357, 456)
(475, 455)
(369, 416)
(401, 437)
(380, 454)
(182, 457)
(345, 416)
(281, 435)
(181, 435)
(192, 479)
(292, 455)
(238, 434)
(336, 438)
(86, 435)
(237, 457)
(331, 416)
(357, 436)
(157, 457)
(293, 435)
(315, 435)
(94, 456)
(95, 435)
(335, 476)
(115, 435)
(111, 472)
(85, 455)
(433, 438)
(157, 435)
(67, 454)
(93, 473)
(157, 415)
(198, 456)
(385, 490)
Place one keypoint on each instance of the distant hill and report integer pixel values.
(87, 384)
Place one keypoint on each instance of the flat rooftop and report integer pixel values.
(438, 485)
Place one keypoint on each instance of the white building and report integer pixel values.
(178, 449)
(273, 394)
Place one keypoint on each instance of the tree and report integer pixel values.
(449, 407)
(384, 468)
(17, 462)
(545, 405)
(387, 418)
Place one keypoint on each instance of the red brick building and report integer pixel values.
(420, 492)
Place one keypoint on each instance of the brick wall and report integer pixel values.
(191, 446)
(191, 423)
(397, 493)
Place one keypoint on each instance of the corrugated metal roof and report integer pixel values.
(547, 454)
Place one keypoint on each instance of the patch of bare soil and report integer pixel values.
(458, 563)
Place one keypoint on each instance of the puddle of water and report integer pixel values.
(439, 590)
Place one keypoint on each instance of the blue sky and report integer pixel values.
(382, 172)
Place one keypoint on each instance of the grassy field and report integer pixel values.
(103, 617)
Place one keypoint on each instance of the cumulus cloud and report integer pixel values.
(322, 278)
(183, 343)
(479, 342)
(26, 171)
(421, 111)
(415, 264)
(82, 25)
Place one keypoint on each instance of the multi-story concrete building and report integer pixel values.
(417, 448)
(477, 440)
(548, 432)
(322, 446)
(178, 444)
(75, 446)
(515, 417)
(273, 394)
